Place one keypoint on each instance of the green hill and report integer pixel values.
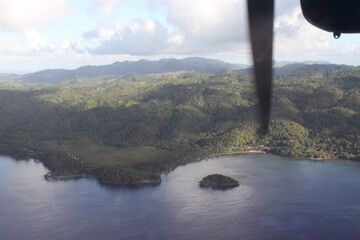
(125, 129)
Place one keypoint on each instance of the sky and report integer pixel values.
(45, 34)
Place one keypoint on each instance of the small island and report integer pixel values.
(218, 181)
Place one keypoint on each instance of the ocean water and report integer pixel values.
(278, 198)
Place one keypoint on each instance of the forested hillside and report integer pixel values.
(128, 129)
(61, 76)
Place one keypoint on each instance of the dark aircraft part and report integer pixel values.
(261, 16)
(337, 35)
(337, 16)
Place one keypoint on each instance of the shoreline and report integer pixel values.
(53, 176)
(236, 153)
(158, 182)
(269, 152)
(48, 176)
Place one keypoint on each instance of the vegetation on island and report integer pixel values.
(218, 181)
(131, 128)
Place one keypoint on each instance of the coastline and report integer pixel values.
(48, 176)
(269, 152)
(325, 159)
(236, 153)
(62, 168)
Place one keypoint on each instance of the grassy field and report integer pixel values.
(100, 155)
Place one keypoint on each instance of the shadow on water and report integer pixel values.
(132, 187)
(67, 178)
(103, 185)
(218, 188)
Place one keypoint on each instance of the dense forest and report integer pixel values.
(131, 128)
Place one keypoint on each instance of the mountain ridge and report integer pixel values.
(143, 66)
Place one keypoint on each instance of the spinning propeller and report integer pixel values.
(336, 16)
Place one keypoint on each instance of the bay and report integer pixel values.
(278, 198)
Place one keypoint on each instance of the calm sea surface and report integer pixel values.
(278, 198)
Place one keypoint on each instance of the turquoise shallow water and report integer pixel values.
(279, 198)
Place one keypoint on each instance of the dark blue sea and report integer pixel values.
(278, 198)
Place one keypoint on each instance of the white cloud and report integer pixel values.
(204, 27)
(35, 41)
(22, 15)
(105, 6)
(140, 37)
(176, 39)
(208, 24)
(210, 28)
(295, 36)
(285, 6)
(33, 45)
(214, 25)
(351, 48)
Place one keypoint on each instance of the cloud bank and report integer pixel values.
(124, 29)
(20, 15)
(141, 37)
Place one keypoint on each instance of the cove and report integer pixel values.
(278, 198)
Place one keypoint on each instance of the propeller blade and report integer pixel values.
(261, 18)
